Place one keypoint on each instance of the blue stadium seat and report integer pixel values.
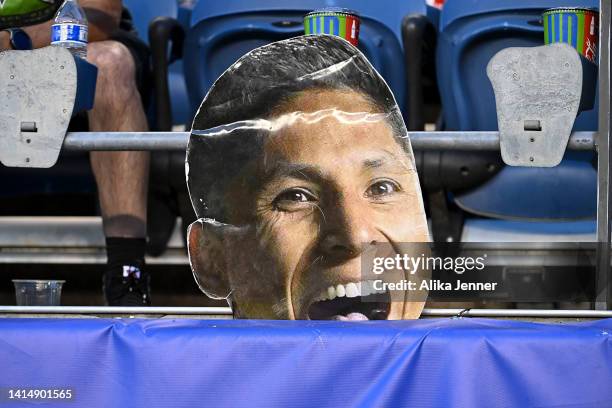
(221, 32)
(470, 33)
(143, 12)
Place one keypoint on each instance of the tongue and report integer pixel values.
(351, 316)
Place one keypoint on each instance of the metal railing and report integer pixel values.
(604, 177)
(116, 310)
(152, 141)
(226, 312)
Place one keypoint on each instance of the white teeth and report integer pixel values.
(331, 292)
(351, 290)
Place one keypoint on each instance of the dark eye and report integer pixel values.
(382, 188)
(290, 198)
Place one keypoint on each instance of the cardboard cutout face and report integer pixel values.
(299, 168)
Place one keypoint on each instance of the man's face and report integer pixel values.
(333, 184)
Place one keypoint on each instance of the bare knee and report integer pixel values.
(115, 63)
(117, 103)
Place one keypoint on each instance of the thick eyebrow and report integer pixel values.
(385, 159)
(373, 163)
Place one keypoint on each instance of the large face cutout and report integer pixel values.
(301, 196)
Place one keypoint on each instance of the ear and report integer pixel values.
(207, 258)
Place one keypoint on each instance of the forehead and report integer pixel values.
(329, 127)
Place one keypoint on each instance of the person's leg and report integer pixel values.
(122, 177)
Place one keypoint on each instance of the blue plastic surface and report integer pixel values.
(144, 11)
(457, 9)
(472, 31)
(179, 95)
(566, 192)
(426, 363)
(224, 31)
(387, 12)
(553, 229)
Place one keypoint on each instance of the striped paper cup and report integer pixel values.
(578, 27)
(334, 21)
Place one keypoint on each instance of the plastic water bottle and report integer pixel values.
(70, 29)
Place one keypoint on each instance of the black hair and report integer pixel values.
(251, 89)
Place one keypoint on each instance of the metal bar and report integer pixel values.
(483, 141)
(479, 141)
(601, 314)
(109, 141)
(603, 163)
(226, 311)
(116, 310)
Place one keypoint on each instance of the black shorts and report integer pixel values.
(126, 35)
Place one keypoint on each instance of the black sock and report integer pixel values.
(124, 252)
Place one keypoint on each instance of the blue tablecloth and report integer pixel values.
(212, 363)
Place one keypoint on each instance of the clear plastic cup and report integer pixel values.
(34, 292)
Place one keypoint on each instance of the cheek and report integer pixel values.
(287, 239)
(404, 222)
(414, 229)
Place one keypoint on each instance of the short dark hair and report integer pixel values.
(252, 88)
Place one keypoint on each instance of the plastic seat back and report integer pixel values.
(222, 32)
(144, 11)
(471, 33)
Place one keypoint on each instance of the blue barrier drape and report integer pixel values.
(224, 363)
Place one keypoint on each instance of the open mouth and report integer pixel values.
(351, 301)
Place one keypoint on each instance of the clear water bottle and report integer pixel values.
(69, 29)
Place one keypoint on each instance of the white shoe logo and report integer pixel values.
(131, 270)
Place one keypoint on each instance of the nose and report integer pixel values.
(346, 228)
